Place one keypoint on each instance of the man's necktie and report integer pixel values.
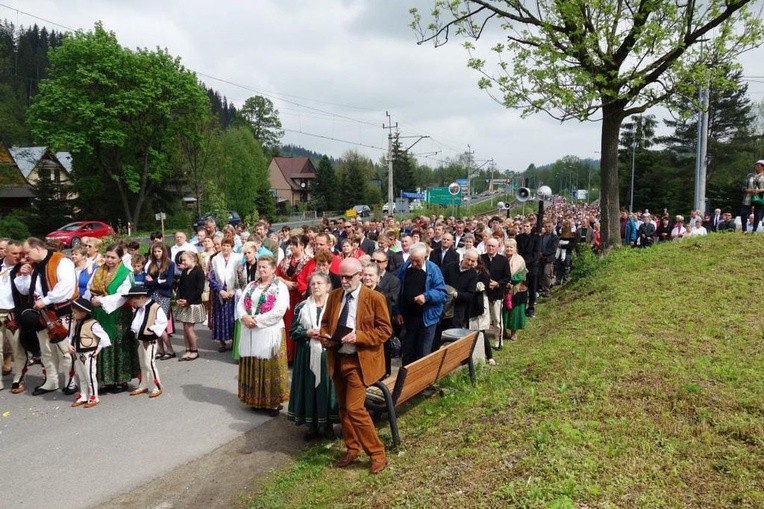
(345, 310)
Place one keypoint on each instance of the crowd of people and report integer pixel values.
(335, 301)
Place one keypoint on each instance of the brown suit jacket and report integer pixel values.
(372, 329)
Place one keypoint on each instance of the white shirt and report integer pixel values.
(350, 322)
(175, 249)
(160, 324)
(6, 292)
(62, 292)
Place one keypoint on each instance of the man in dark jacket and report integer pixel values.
(498, 269)
(445, 254)
(529, 247)
(548, 253)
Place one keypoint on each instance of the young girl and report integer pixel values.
(87, 339)
(160, 273)
(188, 304)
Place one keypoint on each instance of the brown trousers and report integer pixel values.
(358, 429)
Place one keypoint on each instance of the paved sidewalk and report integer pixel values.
(52, 455)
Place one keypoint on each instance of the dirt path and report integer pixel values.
(219, 479)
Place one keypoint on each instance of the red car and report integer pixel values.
(72, 233)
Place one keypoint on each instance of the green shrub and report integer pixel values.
(13, 226)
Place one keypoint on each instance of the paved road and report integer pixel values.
(52, 455)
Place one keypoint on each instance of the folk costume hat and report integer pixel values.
(136, 291)
(83, 305)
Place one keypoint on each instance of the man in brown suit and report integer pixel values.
(358, 360)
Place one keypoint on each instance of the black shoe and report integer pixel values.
(69, 391)
(119, 388)
(310, 435)
(530, 313)
(39, 391)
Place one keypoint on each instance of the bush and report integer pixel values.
(14, 227)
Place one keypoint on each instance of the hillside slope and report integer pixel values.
(639, 386)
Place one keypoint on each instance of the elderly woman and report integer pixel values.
(222, 280)
(83, 270)
(514, 319)
(118, 363)
(288, 272)
(263, 371)
(93, 246)
(312, 400)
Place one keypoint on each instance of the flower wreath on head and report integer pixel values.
(267, 298)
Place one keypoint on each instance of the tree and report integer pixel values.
(403, 169)
(241, 172)
(122, 109)
(574, 59)
(324, 186)
(52, 205)
(195, 153)
(260, 114)
(354, 172)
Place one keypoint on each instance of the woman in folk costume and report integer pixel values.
(263, 371)
(288, 271)
(312, 400)
(245, 274)
(223, 286)
(514, 319)
(117, 364)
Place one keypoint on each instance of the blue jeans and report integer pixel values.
(417, 341)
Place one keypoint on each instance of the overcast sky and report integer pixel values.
(333, 68)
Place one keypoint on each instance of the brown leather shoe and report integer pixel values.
(136, 392)
(346, 460)
(155, 393)
(18, 390)
(91, 404)
(79, 403)
(378, 465)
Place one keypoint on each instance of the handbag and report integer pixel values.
(757, 200)
(508, 300)
(395, 346)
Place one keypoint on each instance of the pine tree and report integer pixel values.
(324, 186)
(403, 171)
(51, 206)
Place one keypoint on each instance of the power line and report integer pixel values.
(282, 97)
(334, 139)
(18, 11)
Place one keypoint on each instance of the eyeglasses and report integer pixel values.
(348, 277)
(379, 261)
(89, 246)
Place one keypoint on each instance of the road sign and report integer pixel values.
(441, 196)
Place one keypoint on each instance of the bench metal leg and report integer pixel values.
(391, 418)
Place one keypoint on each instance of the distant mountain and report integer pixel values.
(296, 151)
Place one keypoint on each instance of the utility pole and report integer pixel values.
(390, 197)
(700, 163)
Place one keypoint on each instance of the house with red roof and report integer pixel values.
(292, 179)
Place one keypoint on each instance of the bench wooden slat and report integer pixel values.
(414, 378)
(420, 375)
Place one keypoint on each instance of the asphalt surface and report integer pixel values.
(53, 455)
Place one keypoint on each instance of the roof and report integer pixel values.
(27, 158)
(295, 168)
(16, 192)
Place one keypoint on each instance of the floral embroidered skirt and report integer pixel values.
(264, 383)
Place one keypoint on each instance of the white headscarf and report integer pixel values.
(311, 319)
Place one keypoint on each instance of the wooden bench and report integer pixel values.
(414, 378)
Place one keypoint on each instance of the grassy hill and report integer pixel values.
(637, 386)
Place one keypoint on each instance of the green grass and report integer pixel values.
(640, 385)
